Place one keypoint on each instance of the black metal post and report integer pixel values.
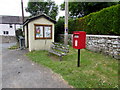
(78, 57)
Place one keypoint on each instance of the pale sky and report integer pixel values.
(13, 7)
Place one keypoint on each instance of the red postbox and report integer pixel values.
(79, 39)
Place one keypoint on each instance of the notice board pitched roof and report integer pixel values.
(39, 16)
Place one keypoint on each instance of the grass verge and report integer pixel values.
(13, 47)
(96, 70)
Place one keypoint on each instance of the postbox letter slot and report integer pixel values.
(76, 36)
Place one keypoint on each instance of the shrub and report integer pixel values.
(18, 33)
(105, 21)
(59, 28)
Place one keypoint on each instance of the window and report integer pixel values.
(43, 31)
(10, 25)
(5, 32)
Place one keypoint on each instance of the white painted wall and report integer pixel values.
(6, 27)
(25, 28)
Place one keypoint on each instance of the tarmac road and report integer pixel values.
(20, 72)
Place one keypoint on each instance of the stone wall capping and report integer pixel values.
(105, 36)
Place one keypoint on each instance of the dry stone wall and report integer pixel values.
(8, 39)
(108, 45)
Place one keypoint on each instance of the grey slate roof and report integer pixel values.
(18, 19)
(38, 16)
(10, 19)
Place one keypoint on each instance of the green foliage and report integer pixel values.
(48, 7)
(13, 47)
(59, 28)
(96, 70)
(79, 9)
(18, 33)
(105, 21)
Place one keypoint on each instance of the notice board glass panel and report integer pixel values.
(43, 31)
(39, 31)
(47, 32)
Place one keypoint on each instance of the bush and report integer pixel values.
(18, 33)
(105, 21)
(59, 28)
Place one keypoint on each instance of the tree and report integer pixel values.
(48, 7)
(80, 9)
(59, 27)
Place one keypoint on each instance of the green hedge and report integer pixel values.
(105, 21)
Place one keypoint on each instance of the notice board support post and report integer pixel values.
(78, 58)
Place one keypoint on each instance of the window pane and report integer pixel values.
(7, 32)
(10, 25)
(47, 32)
(3, 32)
(39, 31)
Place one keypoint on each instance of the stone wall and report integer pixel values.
(108, 45)
(8, 39)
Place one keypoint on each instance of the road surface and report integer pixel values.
(20, 72)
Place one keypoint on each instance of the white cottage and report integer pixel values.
(9, 24)
(39, 32)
